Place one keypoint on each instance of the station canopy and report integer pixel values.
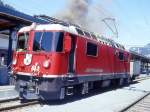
(10, 18)
(136, 56)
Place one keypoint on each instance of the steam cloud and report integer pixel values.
(85, 14)
(76, 12)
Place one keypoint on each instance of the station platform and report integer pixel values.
(8, 92)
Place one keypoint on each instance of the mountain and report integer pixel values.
(142, 50)
(148, 45)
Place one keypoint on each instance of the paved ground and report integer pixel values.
(7, 92)
(108, 101)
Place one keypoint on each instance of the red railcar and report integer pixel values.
(52, 61)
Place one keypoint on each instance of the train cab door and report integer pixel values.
(71, 54)
(71, 67)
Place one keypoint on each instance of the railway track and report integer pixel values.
(15, 103)
(140, 105)
(7, 100)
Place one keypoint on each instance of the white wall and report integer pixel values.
(4, 43)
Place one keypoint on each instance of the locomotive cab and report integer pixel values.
(42, 57)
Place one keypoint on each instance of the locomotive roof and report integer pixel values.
(74, 30)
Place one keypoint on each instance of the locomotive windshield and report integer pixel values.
(48, 41)
(22, 41)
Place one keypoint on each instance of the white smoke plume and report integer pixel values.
(85, 14)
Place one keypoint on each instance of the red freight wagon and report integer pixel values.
(52, 61)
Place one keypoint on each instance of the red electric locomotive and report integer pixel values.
(52, 61)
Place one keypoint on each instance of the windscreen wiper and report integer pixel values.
(40, 41)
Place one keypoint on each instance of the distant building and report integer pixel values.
(142, 50)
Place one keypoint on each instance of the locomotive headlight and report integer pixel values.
(46, 63)
(14, 61)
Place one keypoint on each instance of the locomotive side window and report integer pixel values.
(42, 41)
(121, 56)
(22, 41)
(59, 41)
(91, 49)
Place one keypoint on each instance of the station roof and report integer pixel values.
(141, 57)
(10, 18)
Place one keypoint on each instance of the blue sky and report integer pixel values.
(132, 16)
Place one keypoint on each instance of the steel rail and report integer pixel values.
(21, 105)
(134, 103)
(7, 100)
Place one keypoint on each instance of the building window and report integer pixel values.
(91, 49)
